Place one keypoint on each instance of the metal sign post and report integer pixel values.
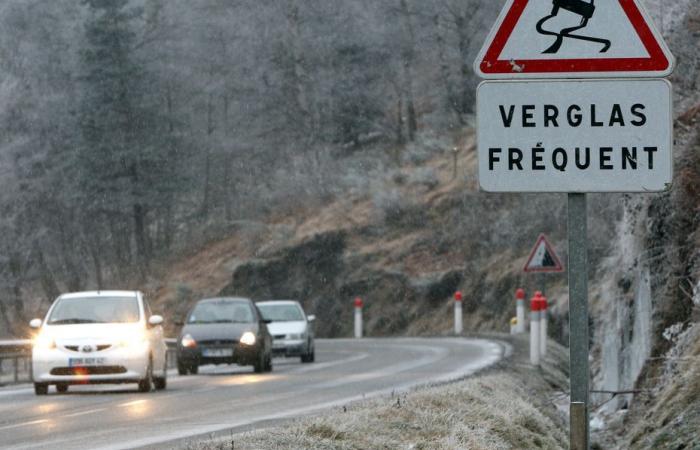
(578, 319)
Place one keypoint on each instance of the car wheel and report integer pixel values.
(194, 369)
(161, 382)
(41, 388)
(268, 363)
(146, 384)
(181, 368)
(308, 357)
(62, 388)
(259, 365)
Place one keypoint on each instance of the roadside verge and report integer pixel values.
(509, 405)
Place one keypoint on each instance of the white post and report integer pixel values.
(520, 310)
(543, 327)
(358, 317)
(535, 333)
(514, 325)
(458, 313)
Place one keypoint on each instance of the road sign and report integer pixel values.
(574, 39)
(575, 135)
(543, 258)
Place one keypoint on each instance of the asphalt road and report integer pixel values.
(230, 397)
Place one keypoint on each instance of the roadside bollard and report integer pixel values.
(543, 326)
(358, 317)
(514, 325)
(520, 310)
(458, 313)
(535, 333)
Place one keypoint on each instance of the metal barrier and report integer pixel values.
(16, 360)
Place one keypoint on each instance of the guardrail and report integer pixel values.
(16, 360)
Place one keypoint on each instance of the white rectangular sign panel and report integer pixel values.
(575, 135)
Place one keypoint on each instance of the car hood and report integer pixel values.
(287, 327)
(93, 332)
(217, 331)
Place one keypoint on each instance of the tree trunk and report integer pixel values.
(207, 157)
(48, 281)
(15, 266)
(451, 102)
(408, 60)
(168, 220)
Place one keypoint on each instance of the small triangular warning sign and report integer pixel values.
(543, 258)
(574, 38)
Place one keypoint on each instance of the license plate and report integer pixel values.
(217, 352)
(81, 362)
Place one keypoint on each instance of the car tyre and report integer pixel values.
(181, 368)
(310, 356)
(268, 363)
(146, 384)
(194, 369)
(62, 388)
(161, 383)
(41, 388)
(259, 365)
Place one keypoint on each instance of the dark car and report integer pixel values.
(224, 331)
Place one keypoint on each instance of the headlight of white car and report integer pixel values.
(136, 341)
(44, 341)
(248, 338)
(296, 336)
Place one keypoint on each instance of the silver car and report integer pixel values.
(291, 329)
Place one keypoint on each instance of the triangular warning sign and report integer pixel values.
(574, 39)
(543, 258)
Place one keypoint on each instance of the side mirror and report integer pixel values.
(35, 324)
(266, 321)
(311, 318)
(155, 320)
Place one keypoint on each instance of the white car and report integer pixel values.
(99, 337)
(291, 329)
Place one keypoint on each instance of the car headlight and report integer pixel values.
(133, 341)
(295, 336)
(248, 338)
(44, 341)
(188, 341)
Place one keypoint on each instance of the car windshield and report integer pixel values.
(281, 313)
(70, 311)
(221, 312)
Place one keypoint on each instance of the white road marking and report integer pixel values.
(24, 424)
(133, 403)
(325, 365)
(83, 413)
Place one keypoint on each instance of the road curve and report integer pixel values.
(227, 397)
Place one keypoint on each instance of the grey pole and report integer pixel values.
(578, 321)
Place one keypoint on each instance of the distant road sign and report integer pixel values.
(575, 135)
(574, 39)
(543, 258)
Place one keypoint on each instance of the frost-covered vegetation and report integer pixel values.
(133, 130)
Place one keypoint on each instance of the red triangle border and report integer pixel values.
(559, 266)
(656, 62)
